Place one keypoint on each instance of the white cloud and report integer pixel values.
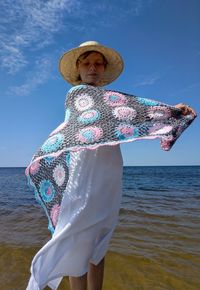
(12, 58)
(39, 75)
(146, 80)
(26, 24)
(46, 15)
(106, 13)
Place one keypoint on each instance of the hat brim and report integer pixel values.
(68, 68)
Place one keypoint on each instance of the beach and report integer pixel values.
(155, 245)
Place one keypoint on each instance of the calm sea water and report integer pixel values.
(155, 246)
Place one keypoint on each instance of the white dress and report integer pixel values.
(88, 216)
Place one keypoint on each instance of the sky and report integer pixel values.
(159, 41)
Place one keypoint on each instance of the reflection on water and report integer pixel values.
(154, 247)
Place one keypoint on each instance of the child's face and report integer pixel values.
(91, 69)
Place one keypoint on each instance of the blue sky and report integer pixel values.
(159, 41)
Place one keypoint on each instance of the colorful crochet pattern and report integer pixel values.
(95, 117)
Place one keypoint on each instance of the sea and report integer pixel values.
(156, 245)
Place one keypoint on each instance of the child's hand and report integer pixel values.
(186, 110)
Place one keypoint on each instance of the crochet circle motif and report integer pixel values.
(67, 114)
(160, 129)
(34, 168)
(84, 102)
(124, 113)
(53, 143)
(49, 159)
(89, 116)
(68, 159)
(114, 99)
(55, 213)
(147, 102)
(59, 174)
(75, 88)
(90, 134)
(159, 112)
(125, 131)
(47, 190)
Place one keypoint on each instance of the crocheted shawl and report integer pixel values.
(95, 117)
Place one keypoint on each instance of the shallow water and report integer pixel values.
(156, 243)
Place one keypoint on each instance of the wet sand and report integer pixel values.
(167, 270)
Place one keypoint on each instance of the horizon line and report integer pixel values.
(123, 165)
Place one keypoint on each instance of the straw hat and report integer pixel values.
(68, 68)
